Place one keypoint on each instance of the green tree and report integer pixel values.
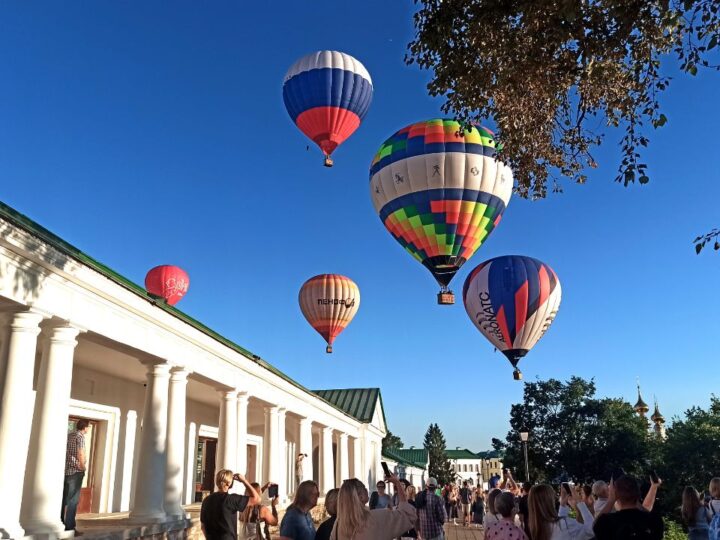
(440, 467)
(551, 73)
(574, 434)
(691, 453)
(391, 442)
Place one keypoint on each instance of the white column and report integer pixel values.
(369, 468)
(344, 458)
(176, 442)
(328, 469)
(227, 434)
(149, 498)
(242, 422)
(306, 447)
(270, 445)
(191, 455)
(377, 474)
(128, 459)
(42, 496)
(281, 456)
(18, 365)
(357, 459)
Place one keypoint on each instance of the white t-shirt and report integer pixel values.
(568, 529)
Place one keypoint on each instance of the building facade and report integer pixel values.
(409, 464)
(169, 401)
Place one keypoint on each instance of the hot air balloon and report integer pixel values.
(329, 302)
(167, 282)
(512, 300)
(440, 194)
(327, 94)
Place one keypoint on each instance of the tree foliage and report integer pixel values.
(574, 435)
(440, 467)
(702, 240)
(691, 452)
(550, 73)
(391, 442)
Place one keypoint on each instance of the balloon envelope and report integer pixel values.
(168, 282)
(512, 300)
(329, 302)
(438, 193)
(327, 94)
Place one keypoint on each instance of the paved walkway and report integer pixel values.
(458, 532)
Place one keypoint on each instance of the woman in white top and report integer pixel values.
(491, 514)
(355, 521)
(547, 524)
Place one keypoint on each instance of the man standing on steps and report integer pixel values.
(299, 469)
(75, 464)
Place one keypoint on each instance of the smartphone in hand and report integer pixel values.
(386, 469)
(567, 489)
(654, 477)
(273, 491)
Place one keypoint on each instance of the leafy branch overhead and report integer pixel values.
(701, 241)
(551, 73)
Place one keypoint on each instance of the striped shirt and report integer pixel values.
(75, 442)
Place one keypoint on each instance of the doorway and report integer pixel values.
(88, 485)
(205, 467)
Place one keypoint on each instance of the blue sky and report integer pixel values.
(155, 132)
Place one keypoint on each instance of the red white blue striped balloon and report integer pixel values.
(327, 94)
(512, 300)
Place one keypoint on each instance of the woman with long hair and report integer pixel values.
(297, 524)
(694, 514)
(255, 521)
(478, 508)
(411, 493)
(545, 523)
(355, 521)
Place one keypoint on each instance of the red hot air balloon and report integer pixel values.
(168, 282)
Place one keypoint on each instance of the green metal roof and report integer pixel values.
(357, 402)
(418, 456)
(23, 222)
(398, 456)
(461, 454)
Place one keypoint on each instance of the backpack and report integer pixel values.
(714, 532)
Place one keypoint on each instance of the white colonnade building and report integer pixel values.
(169, 401)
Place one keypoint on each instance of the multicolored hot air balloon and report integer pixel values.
(329, 302)
(512, 300)
(327, 94)
(440, 194)
(168, 282)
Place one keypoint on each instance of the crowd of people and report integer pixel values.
(602, 510)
